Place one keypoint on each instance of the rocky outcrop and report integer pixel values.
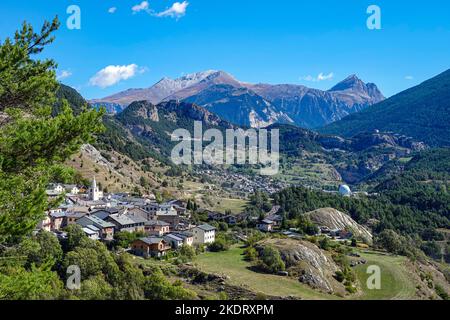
(307, 262)
(171, 110)
(334, 219)
(367, 140)
(95, 155)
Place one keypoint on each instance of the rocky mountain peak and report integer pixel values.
(172, 85)
(355, 91)
(352, 82)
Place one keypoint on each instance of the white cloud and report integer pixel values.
(63, 75)
(177, 10)
(409, 78)
(143, 6)
(112, 75)
(320, 77)
(112, 10)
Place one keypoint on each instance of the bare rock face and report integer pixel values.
(308, 262)
(334, 219)
(239, 105)
(148, 111)
(96, 157)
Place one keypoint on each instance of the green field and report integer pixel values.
(395, 284)
(223, 204)
(232, 264)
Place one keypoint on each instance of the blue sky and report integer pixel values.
(284, 41)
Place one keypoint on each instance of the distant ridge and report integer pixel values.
(422, 112)
(158, 92)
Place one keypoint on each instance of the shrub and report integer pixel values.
(339, 276)
(324, 243)
(432, 249)
(219, 245)
(270, 260)
(440, 291)
(250, 254)
(187, 252)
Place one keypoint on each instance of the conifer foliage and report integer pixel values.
(33, 142)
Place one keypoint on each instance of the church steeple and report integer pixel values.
(95, 194)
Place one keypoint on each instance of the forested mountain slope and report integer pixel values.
(422, 112)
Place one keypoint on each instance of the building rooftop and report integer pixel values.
(104, 213)
(183, 234)
(137, 218)
(70, 186)
(137, 210)
(93, 228)
(206, 227)
(58, 214)
(157, 223)
(122, 219)
(75, 214)
(89, 220)
(173, 236)
(151, 240)
(89, 231)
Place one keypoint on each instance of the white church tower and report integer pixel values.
(94, 193)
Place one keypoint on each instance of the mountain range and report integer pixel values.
(357, 146)
(255, 105)
(422, 112)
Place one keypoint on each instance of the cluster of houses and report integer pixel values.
(158, 245)
(166, 226)
(241, 184)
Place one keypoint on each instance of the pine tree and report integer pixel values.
(33, 143)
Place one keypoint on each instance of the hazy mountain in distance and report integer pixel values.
(158, 92)
(312, 108)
